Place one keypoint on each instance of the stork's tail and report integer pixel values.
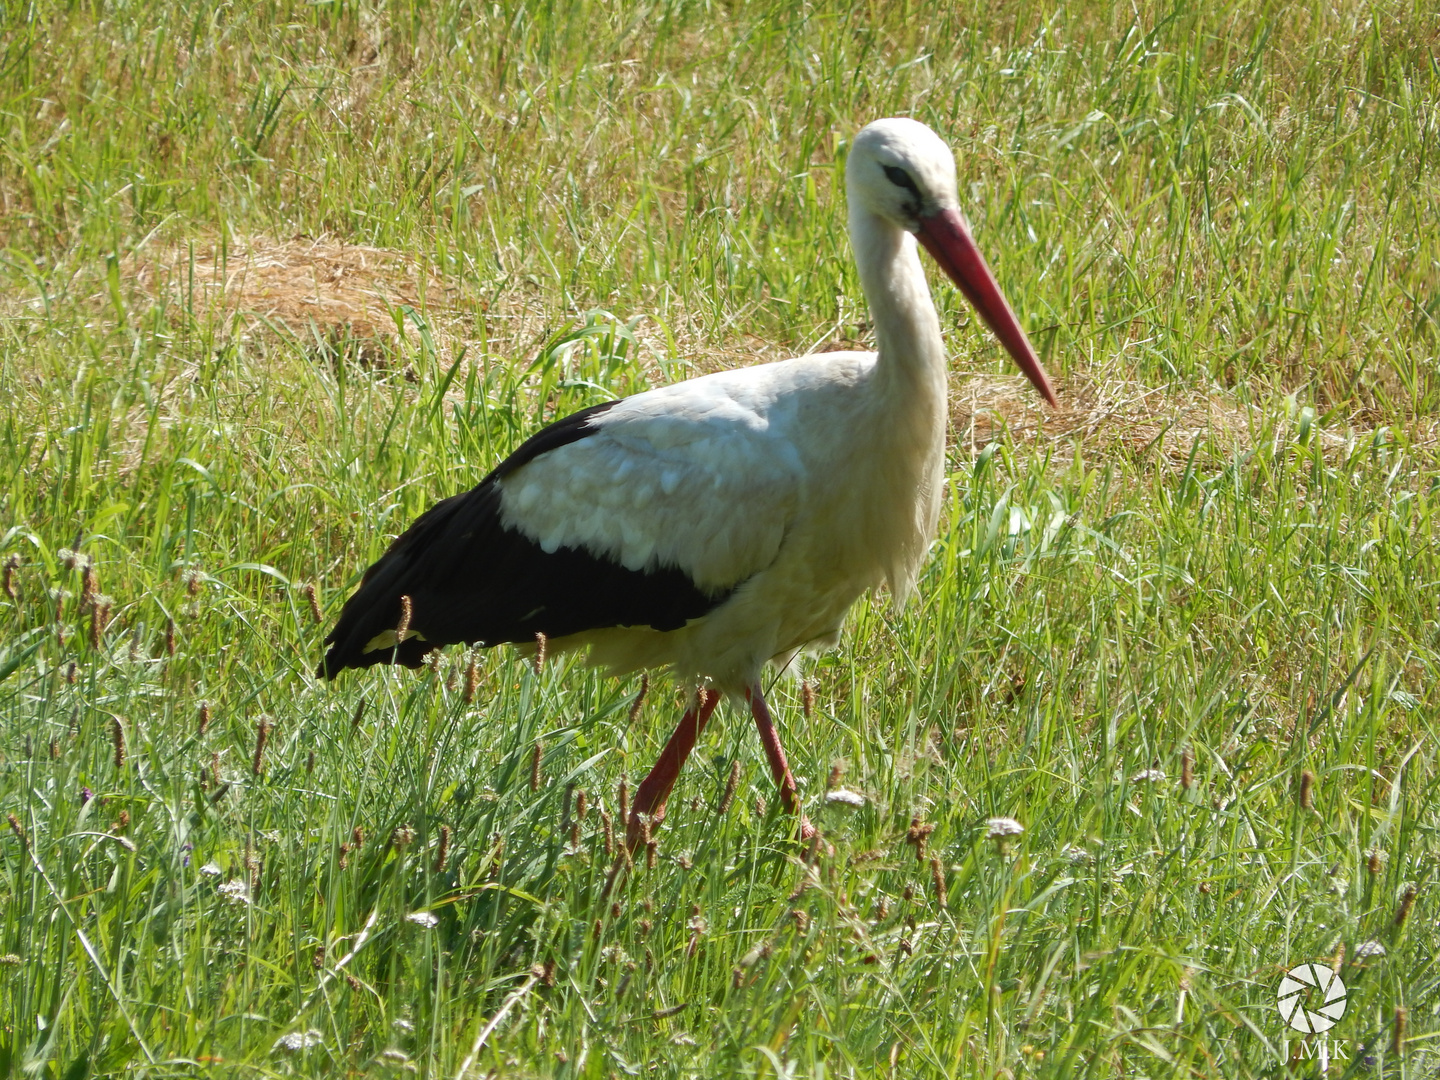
(398, 613)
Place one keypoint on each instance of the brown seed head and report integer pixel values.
(72, 672)
(407, 609)
(1397, 1043)
(262, 736)
(1407, 901)
(582, 803)
(89, 585)
(540, 642)
(1373, 863)
(19, 831)
(535, 756)
(54, 749)
(609, 828)
(357, 837)
(807, 698)
(652, 849)
(12, 590)
(310, 763)
(472, 679)
(919, 835)
(837, 773)
(442, 852)
(624, 799)
(359, 715)
(402, 837)
(313, 598)
(117, 736)
(639, 702)
(99, 618)
(802, 919)
(731, 784)
(1307, 790)
(937, 875)
(1187, 769)
(169, 637)
(204, 723)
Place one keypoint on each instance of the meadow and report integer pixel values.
(276, 276)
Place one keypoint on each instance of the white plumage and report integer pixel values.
(758, 504)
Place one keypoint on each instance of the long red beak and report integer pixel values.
(948, 241)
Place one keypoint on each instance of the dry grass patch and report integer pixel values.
(1111, 416)
(302, 287)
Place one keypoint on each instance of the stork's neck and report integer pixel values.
(907, 330)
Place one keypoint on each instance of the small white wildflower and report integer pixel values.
(845, 797)
(423, 918)
(1368, 949)
(298, 1040)
(1000, 827)
(1148, 776)
(1001, 830)
(236, 891)
(211, 869)
(401, 1024)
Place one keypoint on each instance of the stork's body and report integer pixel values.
(716, 524)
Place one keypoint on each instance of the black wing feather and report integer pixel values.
(470, 579)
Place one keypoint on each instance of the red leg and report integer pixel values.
(650, 796)
(779, 767)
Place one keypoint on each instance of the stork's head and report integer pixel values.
(903, 173)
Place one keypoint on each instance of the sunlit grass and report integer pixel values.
(1202, 679)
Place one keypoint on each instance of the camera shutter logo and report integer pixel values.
(1295, 989)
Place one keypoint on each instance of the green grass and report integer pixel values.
(1231, 202)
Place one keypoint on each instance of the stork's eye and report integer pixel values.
(900, 178)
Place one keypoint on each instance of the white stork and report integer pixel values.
(724, 522)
